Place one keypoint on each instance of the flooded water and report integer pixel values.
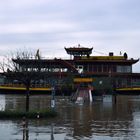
(101, 120)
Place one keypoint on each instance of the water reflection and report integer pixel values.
(97, 121)
(2, 102)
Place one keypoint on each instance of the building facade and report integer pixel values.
(108, 73)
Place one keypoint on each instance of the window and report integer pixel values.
(99, 68)
(124, 69)
(105, 68)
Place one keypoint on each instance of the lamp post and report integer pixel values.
(52, 132)
(53, 96)
(113, 87)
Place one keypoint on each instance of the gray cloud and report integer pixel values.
(110, 25)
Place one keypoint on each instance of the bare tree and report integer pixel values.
(17, 68)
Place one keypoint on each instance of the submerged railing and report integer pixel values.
(22, 85)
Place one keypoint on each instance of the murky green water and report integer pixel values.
(97, 121)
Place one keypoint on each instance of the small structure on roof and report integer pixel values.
(79, 51)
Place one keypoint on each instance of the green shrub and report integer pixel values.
(31, 114)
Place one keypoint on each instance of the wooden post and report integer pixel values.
(27, 98)
(25, 129)
(115, 98)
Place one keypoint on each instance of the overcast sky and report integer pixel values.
(49, 25)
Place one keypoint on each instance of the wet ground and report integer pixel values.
(100, 120)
